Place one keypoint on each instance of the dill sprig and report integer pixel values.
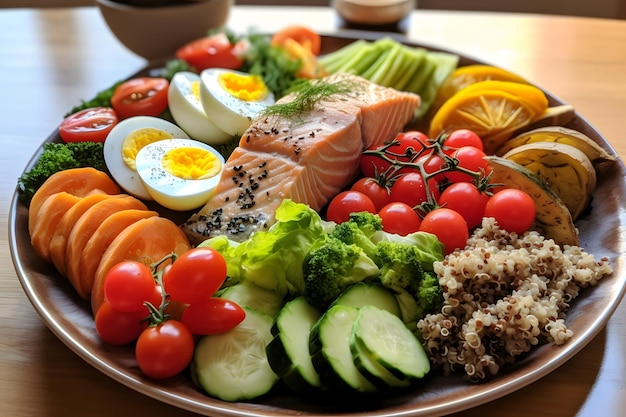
(307, 96)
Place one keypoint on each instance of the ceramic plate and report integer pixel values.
(70, 318)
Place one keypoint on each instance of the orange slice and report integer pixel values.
(495, 110)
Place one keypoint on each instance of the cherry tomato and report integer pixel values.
(465, 199)
(302, 35)
(215, 51)
(431, 162)
(449, 227)
(513, 209)
(406, 148)
(143, 96)
(213, 316)
(165, 349)
(195, 275)
(89, 125)
(410, 189)
(462, 137)
(371, 187)
(118, 327)
(347, 202)
(128, 285)
(470, 158)
(399, 218)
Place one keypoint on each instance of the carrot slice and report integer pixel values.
(77, 181)
(58, 243)
(100, 241)
(50, 212)
(84, 228)
(147, 240)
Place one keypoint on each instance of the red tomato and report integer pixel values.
(470, 158)
(431, 163)
(465, 199)
(117, 327)
(462, 137)
(195, 275)
(302, 35)
(449, 227)
(406, 147)
(347, 202)
(89, 125)
(213, 316)
(399, 218)
(164, 350)
(143, 96)
(215, 51)
(513, 209)
(128, 285)
(411, 189)
(371, 187)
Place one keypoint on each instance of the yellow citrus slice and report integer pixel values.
(470, 74)
(495, 110)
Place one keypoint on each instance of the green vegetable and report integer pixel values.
(57, 157)
(359, 231)
(271, 63)
(390, 63)
(273, 258)
(426, 245)
(428, 294)
(332, 266)
(399, 264)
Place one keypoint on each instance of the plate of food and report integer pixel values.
(421, 324)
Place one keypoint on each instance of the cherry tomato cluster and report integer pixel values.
(139, 300)
(439, 185)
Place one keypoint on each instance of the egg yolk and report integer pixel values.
(195, 90)
(136, 140)
(191, 163)
(243, 87)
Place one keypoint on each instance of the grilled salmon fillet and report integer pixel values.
(307, 158)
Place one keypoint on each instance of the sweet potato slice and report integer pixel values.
(58, 243)
(147, 240)
(84, 228)
(49, 215)
(100, 241)
(77, 181)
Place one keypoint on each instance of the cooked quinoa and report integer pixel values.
(504, 294)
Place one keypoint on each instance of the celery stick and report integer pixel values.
(384, 71)
(445, 64)
(386, 46)
(399, 67)
(359, 62)
(422, 76)
(334, 60)
(416, 58)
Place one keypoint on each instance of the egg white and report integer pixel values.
(169, 190)
(128, 178)
(229, 113)
(188, 112)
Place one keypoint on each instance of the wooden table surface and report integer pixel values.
(51, 59)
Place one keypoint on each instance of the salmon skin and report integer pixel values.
(307, 158)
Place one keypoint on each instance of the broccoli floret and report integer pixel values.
(399, 264)
(332, 266)
(428, 294)
(359, 230)
(57, 157)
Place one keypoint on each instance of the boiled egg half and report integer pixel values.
(186, 108)
(232, 98)
(180, 174)
(125, 141)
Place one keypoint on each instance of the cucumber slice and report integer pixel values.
(389, 342)
(331, 354)
(288, 353)
(372, 369)
(369, 293)
(233, 366)
(248, 294)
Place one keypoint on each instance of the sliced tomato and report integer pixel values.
(89, 125)
(142, 96)
(215, 51)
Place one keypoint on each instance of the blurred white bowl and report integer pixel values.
(154, 32)
(374, 12)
